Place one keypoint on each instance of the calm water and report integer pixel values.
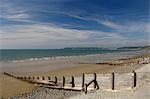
(23, 54)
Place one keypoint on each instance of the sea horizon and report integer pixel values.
(37, 54)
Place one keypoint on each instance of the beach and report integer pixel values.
(72, 66)
(74, 49)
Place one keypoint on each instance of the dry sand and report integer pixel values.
(142, 90)
(11, 87)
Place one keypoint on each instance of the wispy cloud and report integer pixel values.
(47, 35)
(12, 12)
(128, 27)
(54, 36)
(72, 14)
(51, 32)
(110, 24)
(17, 17)
(133, 26)
(51, 25)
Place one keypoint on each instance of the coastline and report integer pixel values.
(57, 63)
(12, 87)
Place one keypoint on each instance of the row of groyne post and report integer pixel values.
(84, 87)
(125, 62)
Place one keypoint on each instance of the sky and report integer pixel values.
(48, 24)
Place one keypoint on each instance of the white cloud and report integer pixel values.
(15, 13)
(51, 32)
(17, 17)
(111, 24)
(12, 12)
(127, 27)
(51, 35)
(137, 27)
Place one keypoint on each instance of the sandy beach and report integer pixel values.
(59, 67)
(74, 49)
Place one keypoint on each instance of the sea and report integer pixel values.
(35, 54)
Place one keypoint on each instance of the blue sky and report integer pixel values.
(74, 23)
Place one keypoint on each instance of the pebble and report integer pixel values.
(45, 93)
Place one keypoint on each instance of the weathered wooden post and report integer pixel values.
(83, 76)
(43, 78)
(86, 88)
(94, 80)
(73, 85)
(55, 80)
(29, 77)
(63, 81)
(134, 79)
(49, 78)
(113, 80)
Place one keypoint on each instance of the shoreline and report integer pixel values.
(52, 64)
(32, 59)
(12, 87)
(29, 88)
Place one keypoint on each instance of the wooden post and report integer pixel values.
(43, 78)
(134, 79)
(94, 80)
(55, 80)
(49, 78)
(29, 77)
(113, 80)
(73, 85)
(86, 88)
(63, 81)
(83, 76)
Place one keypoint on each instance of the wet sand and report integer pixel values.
(11, 87)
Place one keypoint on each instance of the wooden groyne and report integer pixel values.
(84, 85)
(62, 85)
(53, 84)
(124, 62)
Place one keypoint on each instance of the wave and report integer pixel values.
(51, 58)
